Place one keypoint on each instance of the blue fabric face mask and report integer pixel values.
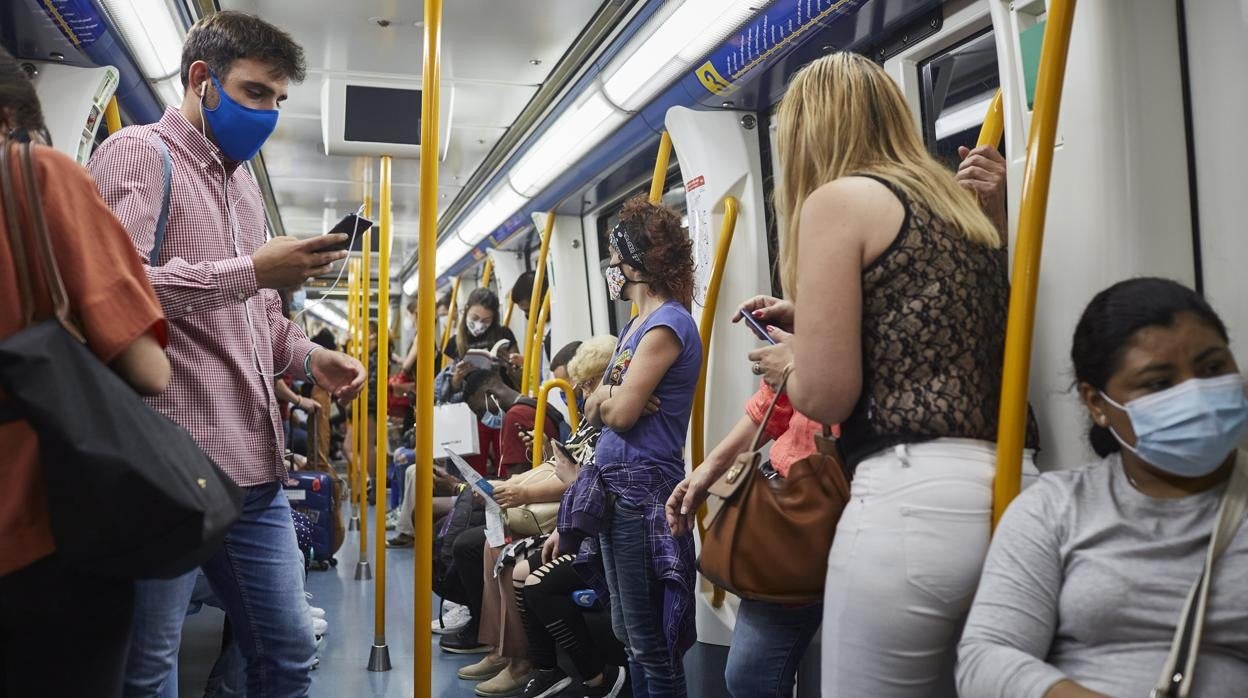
(493, 419)
(238, 130)
(1188, 430)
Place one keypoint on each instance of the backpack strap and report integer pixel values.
(163, 220)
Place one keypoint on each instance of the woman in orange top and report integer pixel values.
(43, 605)
(769, 639)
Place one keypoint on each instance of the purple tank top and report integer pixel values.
(656, 440)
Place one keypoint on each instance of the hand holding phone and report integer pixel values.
(757, 328)
(352, 225)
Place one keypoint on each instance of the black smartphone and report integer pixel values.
(757, 328)
(352, 225)
(564, 450)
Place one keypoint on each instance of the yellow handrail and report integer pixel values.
(451, 321)
(1012, 419)
(511, 305)
(993, 128)
(705, 327)
(539, 279)
(112, 116)
(422, 582)
(539, 419)
(660, 168)
(383, 424)
(533, 359)
(485, 273)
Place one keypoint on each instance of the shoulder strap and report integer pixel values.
(1176, 676)
(17, 244)
(163, 220)
(762, 425)
(47, 257)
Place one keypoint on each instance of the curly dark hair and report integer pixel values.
(669, 251)
(226, 36)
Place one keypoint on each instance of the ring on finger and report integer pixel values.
(757, 368)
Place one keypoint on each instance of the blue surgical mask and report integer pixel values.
(238, 130)
(1188, 430)
(493, 419)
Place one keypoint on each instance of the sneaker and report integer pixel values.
(505, 684)
(464, 641)
(545, 683)
(392, 519)
(319, 626)
(454, 617)
(400, 541)
(486, 669)
(317, 612)
(612, 681)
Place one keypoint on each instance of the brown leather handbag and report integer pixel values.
(770, 537)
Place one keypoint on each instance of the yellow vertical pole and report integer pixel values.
(353, 348)
(485, 273)
(366, 296)
(112, 116)
(511, 306)
(452, 315)
(422, 582)
(535, 299)
(1012, 419)
(993, 128)
(533, 359)
(705, 328)
(660, 168)
(379, 660)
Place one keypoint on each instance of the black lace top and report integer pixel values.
(933, 338)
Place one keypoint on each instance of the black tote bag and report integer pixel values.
(130, 494)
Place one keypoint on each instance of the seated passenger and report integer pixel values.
(480, 328)
(501, 407)
(898, 289)
(49, 613)
(643, 406)
(545, 580)
(1090, 568)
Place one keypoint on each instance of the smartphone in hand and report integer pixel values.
(352, 225)
(757, 328)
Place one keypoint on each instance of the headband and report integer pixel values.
(630, 252)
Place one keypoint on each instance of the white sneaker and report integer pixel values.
(317, 612)
(454, 617)
(319, 626)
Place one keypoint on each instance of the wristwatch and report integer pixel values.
(307, 366)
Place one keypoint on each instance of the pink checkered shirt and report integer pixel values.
(207, 287)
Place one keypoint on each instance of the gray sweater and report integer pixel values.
(1085, 580)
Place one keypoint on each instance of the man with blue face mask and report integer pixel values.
(196, 216)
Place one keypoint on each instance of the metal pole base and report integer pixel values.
(379, 658)
(363, 571)
(353, 524)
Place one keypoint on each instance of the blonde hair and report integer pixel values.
(843, 115)
(591, 359)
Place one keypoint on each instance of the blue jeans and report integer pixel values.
(258, 578)
(767, 646)
(637, 606)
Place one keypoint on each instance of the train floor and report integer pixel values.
(344, 650)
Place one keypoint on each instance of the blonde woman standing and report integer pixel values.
(898, 292)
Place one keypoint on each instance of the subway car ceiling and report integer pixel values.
(538, 115)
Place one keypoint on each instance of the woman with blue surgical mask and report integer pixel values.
(1091, 568)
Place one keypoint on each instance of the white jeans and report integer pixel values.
(904, 567)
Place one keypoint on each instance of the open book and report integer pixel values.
(487, 358)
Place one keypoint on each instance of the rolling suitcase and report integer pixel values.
(311, 494)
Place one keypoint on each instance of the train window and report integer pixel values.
(957, 86)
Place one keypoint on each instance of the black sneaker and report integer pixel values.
(546, 683)
(464, 642)
(612, 681)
